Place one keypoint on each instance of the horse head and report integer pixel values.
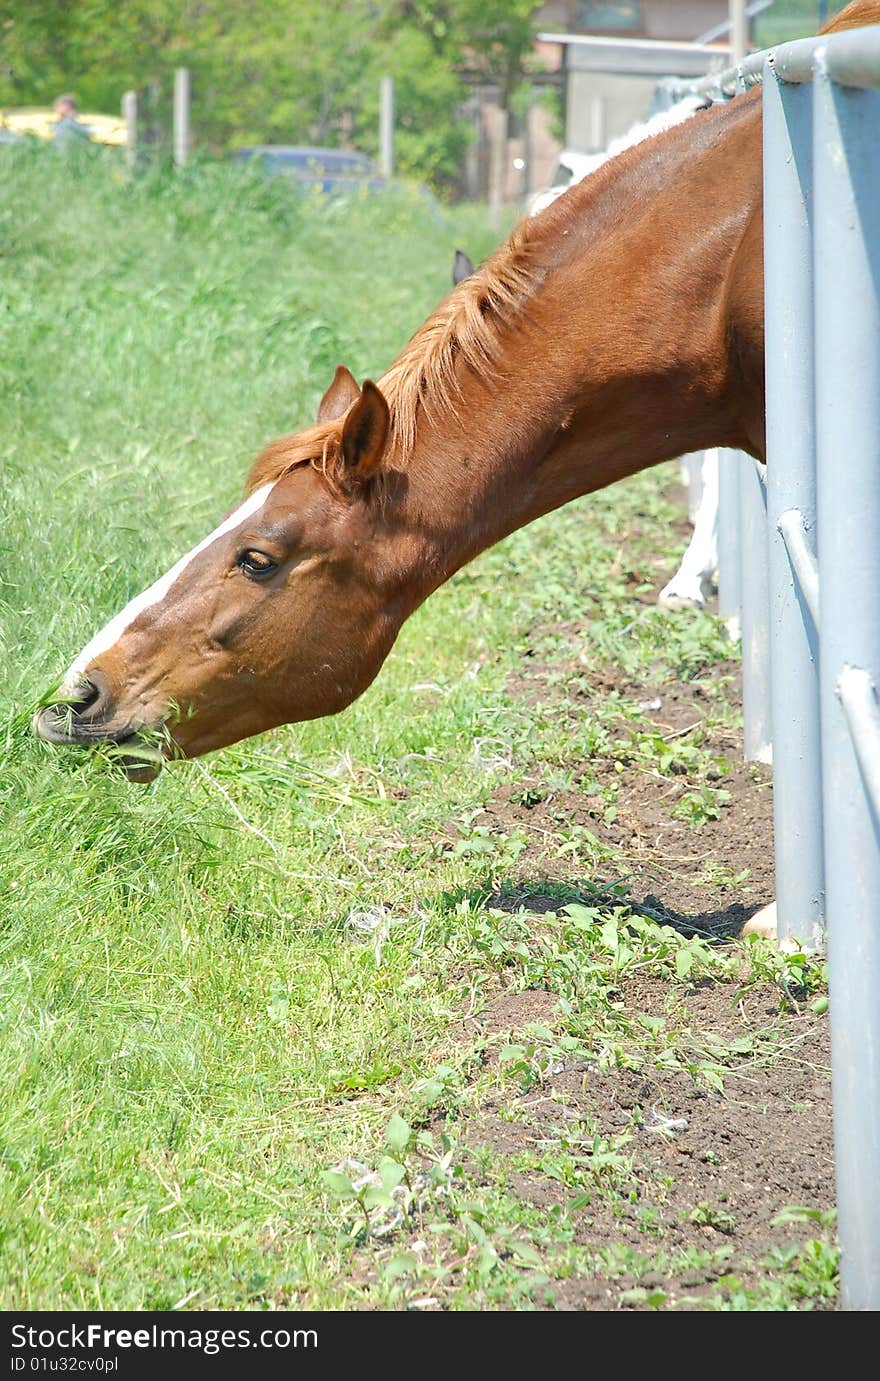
(285, 612)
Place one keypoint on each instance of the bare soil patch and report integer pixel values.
(712, 1170)
(684, 874)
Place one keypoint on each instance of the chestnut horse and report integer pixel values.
(621, 327)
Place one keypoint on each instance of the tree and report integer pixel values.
(497, 39)
(285, 71)
(416, 47)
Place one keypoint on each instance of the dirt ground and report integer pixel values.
(666, 861)
(735, 1159)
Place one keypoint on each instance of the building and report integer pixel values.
(609, 57)
(585, 64)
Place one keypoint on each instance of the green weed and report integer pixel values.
(217, 988)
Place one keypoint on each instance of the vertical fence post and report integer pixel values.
(739, 29)
(181, 115)
(791, 490)
(498, 125)
(598, 123)
(386, 126)
(129, 115)
(730, 464)
(757, 739)
(847, 275)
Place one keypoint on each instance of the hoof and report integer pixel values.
(681, 597)
(763, 923)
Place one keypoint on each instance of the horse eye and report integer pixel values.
(256, 564)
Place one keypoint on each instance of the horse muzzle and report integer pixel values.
(85, 719)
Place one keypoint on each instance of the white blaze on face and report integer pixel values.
(112, 632)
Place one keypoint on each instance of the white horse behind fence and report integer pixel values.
(693, 580)
(695, 576)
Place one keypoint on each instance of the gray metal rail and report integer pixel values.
(822, 307)
(755, 615)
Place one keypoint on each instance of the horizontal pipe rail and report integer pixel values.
(821, 133)
(804, 565)
(793, 62)
(858, 696)
(853, 59)
(850, 59)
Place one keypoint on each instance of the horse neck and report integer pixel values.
(642, 340)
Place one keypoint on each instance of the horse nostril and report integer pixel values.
(86, 703)
(80, 700)
(87, 696)
(79, 716)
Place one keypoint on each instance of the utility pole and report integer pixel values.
(386, 126)
(739, 30)
(130, 115)
(181, 115)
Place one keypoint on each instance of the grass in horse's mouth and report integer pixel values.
(140, 751)
(134, 756)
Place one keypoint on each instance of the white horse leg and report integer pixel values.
(688, 587)
(692, 479)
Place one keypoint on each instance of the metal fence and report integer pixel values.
(811, 676)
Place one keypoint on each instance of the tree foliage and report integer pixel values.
(292, 71)
(497, 37)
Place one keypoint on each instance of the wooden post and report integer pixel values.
(473, 150)
(598, 123)
(129, 115)
(386, 126)
(181, 115)
(739, 30)
(528, 151)
(497, 164)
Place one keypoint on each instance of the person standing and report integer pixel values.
(68, 128)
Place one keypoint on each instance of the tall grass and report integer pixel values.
(190, 1031)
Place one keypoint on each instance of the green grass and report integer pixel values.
(196, 1026)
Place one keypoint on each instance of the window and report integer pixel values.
(596, 15)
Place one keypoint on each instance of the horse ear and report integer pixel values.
(462, 267)
(365, 433)
(340, 395)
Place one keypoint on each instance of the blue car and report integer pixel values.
(330, 170)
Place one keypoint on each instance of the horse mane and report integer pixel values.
(857, 14)
(464, 334)
(465, 331)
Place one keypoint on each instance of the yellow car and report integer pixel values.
(40, 121)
